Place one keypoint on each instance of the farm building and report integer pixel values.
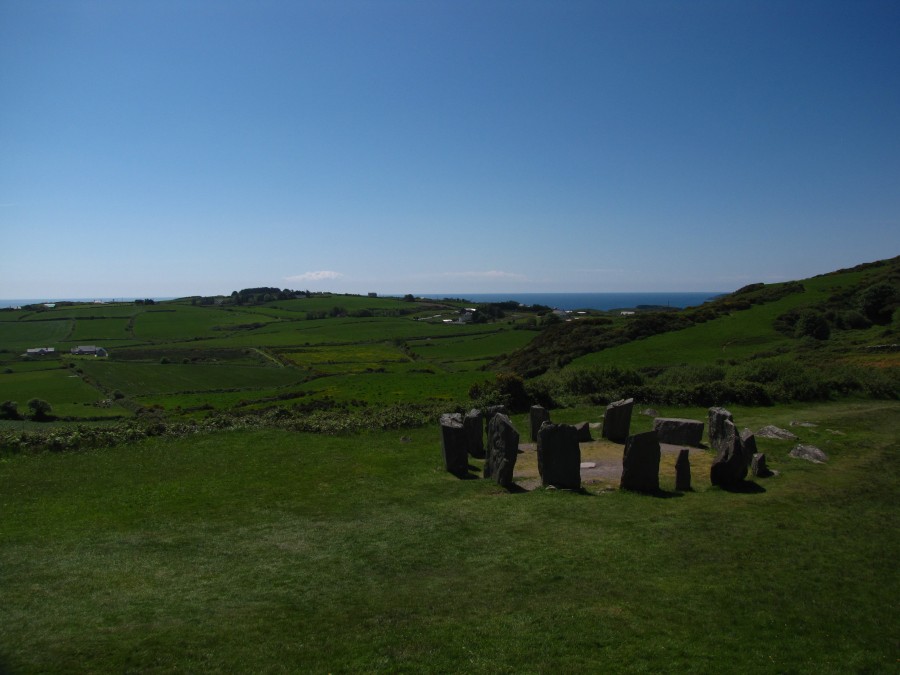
(40, 351)
(89, 350)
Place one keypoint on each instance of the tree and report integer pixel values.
(878, 302)
(40, 409)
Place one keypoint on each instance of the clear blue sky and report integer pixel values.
(156, 148)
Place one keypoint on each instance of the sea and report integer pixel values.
(598, 301)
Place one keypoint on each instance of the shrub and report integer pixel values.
(9, 410)
(811, 323)
(878, 302)
(40, 409)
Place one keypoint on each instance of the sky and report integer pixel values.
(157, 148)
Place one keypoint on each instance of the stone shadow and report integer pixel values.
(747, 487)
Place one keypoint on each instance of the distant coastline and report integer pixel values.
(18, 302)
(597, 301)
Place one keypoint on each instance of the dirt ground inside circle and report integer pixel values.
(601, 465)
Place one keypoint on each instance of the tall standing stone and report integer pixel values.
(717, 436)
(640, 463)
(730, 466)
(748, 443)
(489, 413)
(617, 420)
(474, 433)
(683, 471)
(559, 456)
(502, 450)
(537, 416)
(454, 444)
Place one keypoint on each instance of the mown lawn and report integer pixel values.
(278, 552)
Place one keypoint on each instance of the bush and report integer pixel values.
(878, 302)
(688, 375)
(9, 410)
(811, 323)
(40, 409)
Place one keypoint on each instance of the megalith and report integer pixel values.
(759, 467)
(640, 463)
(489, 413)
(683, 471)
(454, 444)
(502, 450)
(617, 420)
(730, 466)
(474, 433)
(717, 436)
(584, 432)
(748, 443)
(559, 456)
(679, 431)
(537, 416)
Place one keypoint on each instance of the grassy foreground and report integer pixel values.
(269, 551)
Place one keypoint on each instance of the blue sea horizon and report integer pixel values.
(597, 301)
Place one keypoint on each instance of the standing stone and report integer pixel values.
(474, 433)
(717, 436)
(489, 414)
(678, 431)
(584, 432)
(617, 420)
(559, 456)
(502, 450)
(454, 444)
(640, 463)
(683, 471)
(748, 442)
(730, 466)
(538, 415)
(758, 466)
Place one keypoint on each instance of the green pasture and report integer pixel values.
(65, 391)
(89, 331)
(175, 322)
(225, 400)
(21, 335)
(100, 311)
(356, 358)
(397, 386)
(271, 551)
(339, 331)
(454, 349)
(137, 379)
(20, 365)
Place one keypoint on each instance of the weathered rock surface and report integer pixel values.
(490, 412)
(758, 466)
(748, 443)
(584, 432)
(502, 449)
(474, 432)
(679, 431)
(810, 453)
(617, 420)
(717, 435)
(559, 456)
(771, 431)
(683, 471)
(537, 416)
(454, 444)
(730, 466)
(640, 463)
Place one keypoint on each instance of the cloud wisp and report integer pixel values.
(320, 275)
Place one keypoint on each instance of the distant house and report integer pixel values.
(373, 295)
(626, 313)
(40, 351)
(89, 350)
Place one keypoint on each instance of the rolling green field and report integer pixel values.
(271, 551)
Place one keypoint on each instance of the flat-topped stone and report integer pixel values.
(679, 431)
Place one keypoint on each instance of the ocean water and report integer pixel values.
(599, 301)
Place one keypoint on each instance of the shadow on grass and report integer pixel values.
(658, 494)
(746, 487)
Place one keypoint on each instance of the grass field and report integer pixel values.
(67, 393)
(271, 551)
